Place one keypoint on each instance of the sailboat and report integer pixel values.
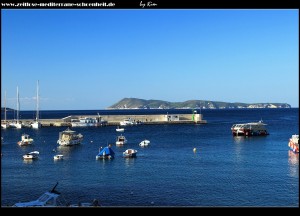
(37, 124)
(17, 124)
(4, 124)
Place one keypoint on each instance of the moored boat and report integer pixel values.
(105, 153)
(88, 121)
(126, 122)
(25, 140)
(144, 143)
(118, 129)
(31, 155)
(121, 140)
(69, 138)
(250, 129)
(130, 153)
(53, 198)
(294, 143)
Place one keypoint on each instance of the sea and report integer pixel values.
(185, 165)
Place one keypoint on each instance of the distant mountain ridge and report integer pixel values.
(135, 103)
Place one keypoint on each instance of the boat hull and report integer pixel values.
(294, 143)
(249, 133)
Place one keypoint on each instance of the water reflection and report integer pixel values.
(238, 139)
(64, 150)
(293, 163)
(129, 161)
(27, 161)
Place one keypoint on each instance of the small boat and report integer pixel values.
(69, 138)
(126, 122)
(53, 198)
(294, 143)
(31, 155)
(144, 143)
(121, 140)
(88, 121)
(249, 129)
(129, 153)
(58, 157)
(25, 140)
(105, 153)
(120, 129)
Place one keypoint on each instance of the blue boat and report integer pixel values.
(106, 153)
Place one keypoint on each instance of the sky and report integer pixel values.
(89, 59)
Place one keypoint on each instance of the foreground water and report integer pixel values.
(224, 170)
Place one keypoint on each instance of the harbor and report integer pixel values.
(112, 120)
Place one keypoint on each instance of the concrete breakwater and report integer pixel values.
(116, 119)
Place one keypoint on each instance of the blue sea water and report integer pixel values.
(224, 170)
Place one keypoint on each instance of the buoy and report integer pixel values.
(91, 141)
(194, 150)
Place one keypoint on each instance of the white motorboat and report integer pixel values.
(25, 140)
(31, 155)
(144, 143)
(126, 122)
(121, 140)
(69, 138)
(118, 129)
(88, 121)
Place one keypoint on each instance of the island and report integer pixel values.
(136, 103)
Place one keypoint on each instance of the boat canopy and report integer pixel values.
(106, 151)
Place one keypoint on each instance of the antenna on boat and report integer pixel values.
(53, 189)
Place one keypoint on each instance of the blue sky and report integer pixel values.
(91, 59)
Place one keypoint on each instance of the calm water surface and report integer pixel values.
(224, 170)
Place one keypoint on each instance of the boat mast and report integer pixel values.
(5, 106)
(37, 102)
(18, 104)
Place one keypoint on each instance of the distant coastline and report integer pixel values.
(135, 103)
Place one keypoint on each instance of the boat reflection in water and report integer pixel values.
(293, 164)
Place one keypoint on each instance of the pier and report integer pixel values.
(110, 120)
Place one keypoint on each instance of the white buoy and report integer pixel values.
(194, 150)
